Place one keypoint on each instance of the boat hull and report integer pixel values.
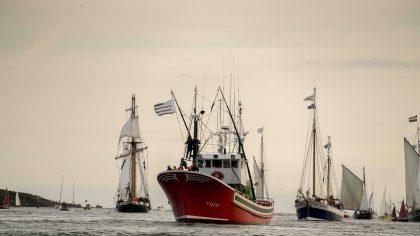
(414, 217)
(132, 208)
(363, 215)
(201, 198)
(309, 209)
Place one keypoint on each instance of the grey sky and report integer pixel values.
(68, 69)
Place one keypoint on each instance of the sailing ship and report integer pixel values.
(261, 190)
(317, 205)
(218, 187)
(412, 177)
(132, 192)
(17, 200)
(5, 204)
(353, 194)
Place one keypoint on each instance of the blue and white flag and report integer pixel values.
(165, 108)
(412, 119)
(310, 98)
(312, 106)
(328, 145)
(260, 130)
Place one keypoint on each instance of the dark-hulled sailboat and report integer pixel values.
(313, 203)
(132, 192)
(353, 194)
(5, 203)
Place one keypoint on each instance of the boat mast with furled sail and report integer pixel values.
(316, 205)
(132, 192)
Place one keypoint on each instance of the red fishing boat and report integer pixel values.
(218, 187)
(403, 214)
(5, 204)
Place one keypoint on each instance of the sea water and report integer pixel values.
(50, 221)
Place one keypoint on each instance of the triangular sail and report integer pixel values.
(351, 190)
(382, 210)
(364, 203)
(258, 181)
(17, 200)
(372, 202)
(411, 176)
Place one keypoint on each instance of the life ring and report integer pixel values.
(218, 174)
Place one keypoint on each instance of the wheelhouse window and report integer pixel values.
(234, 163)
(200, 163)
(207, 163)
(217, 163)
(226, 163)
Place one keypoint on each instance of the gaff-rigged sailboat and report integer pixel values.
(218, 188)
(313, 203)
(260, 183)
(385, 210)
(132, 192)
(412, 176)
(5, 203)
(353, 194)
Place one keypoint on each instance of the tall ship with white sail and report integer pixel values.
(217, 187)
(353, 194)
(17, 200)
(132, 193)
(412, 175)
(315, 196)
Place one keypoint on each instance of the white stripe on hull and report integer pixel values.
(200, 218)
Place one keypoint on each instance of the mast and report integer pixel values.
(328, 166)
(262, 164)
(314, 145)
(240, 145)
(61, 190)
(133, 153)
(195, 143)
(73, 193)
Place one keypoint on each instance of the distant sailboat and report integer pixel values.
(261, 191)
(132, 193)
(5, 204)
(317, 205)
(353, 194)
(17, 200)
(402, 214)
(384, 209)
(62, 206)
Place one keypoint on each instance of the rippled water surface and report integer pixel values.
(49, 221)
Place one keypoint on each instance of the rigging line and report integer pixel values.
(306, 152)
(180, 129)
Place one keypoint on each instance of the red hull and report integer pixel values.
(197, 197)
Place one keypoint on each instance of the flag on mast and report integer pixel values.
(165, 108)
(310, 98)
(312, 106)
(260, 130)
(412, 119)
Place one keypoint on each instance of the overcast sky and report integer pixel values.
(68, 69)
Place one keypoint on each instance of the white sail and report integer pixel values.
(382, 210)
(123, 185)
(364, 202)
(411, 176)
(17, 200)
(351, 189)
(372, 202)
(131, 129)
(258, 183)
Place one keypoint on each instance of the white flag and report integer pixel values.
(260, 130)
(310, 98)
(165, 108)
